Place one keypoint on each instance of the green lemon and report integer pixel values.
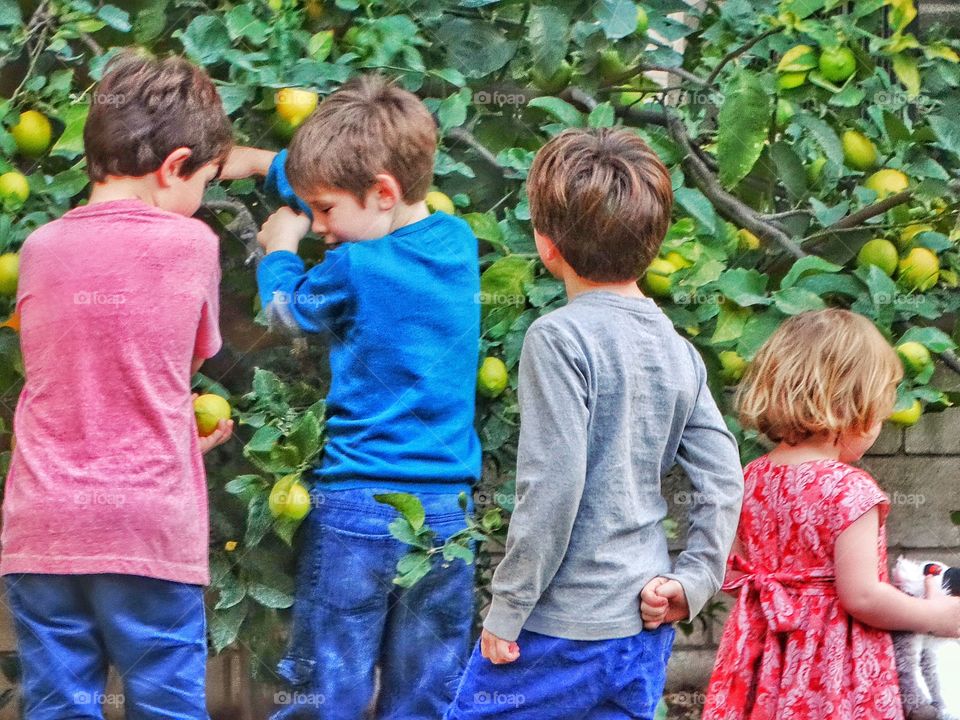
(210, 409)
(837, 64)
(881, 253)
(492, 378)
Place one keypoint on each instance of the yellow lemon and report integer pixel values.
(9, 273)
(908, 416)
(887, 182)
(492, 378)
(32, 133)
(859, 152)
(437, 200)
(210, 409)
(919, 270)
(295, 104)
(881, 253)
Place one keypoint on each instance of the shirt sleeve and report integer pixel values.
(276, 182)
(314, 301)
(709, 456)
(208, 341)
(551, 473)
(851, 498)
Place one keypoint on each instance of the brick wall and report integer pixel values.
(918, 467)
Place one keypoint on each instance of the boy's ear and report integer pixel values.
(387, 191)
(545, 246)
(172, 166)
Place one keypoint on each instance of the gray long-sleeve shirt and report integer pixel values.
(611, 397)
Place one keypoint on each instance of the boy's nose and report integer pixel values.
(319, 227)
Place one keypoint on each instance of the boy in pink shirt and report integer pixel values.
(104, 544)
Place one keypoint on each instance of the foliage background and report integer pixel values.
(503, 76)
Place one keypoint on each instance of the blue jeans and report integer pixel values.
(558, 679)
(71, 627)
(349, 617)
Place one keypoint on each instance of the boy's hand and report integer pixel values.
(218, 437)
(497, 650)
(662, 601)
(246, 161)
(283, 231)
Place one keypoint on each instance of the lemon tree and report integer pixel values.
(814, 148)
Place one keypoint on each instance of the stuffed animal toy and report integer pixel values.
(929, 667)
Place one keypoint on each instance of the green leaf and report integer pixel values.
(305, 437)
(731, 322)
(906, 70)
(558, 109)
(320, 45)
(453, 110)
(269, 597)
(931, 337)
(242, 23)
(412, 568)
(955, 517)
(10, 13)
(947, 131)
(242, 485)
(743, 125)
(757, 331)
(549, 28)
(205, 40)
(794, 301)
(485, 227)
(401, 529)
(264, 439)
(744, 287)
(618, 18)
(503, 290)
(231, 595)
(225, 625)
(696, 203)
(811, 263)
(454, 551)
(790, 170)
(406, 504)
(259, 520)
(474, 47)
(824, 135)
(70, 143)
(115, 17)
(601, 116)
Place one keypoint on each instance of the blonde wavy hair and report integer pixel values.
(828, 371)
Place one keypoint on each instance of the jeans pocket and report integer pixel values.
(354, 570)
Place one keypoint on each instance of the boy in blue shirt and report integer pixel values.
(396, 297)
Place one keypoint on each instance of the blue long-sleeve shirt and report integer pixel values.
(402, 317)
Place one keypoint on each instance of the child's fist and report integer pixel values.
(662, 601)
(283, 231)
(497, 650)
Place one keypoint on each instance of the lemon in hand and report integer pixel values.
(210, 409)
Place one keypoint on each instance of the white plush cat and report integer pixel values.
(929, 667)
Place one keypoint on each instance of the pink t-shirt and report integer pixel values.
(115, 299)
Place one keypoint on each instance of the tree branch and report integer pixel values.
(640, 69)
(854, 221)
(469, 139)
(737, 52)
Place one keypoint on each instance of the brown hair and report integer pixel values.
(365, 128)
(824, 371)
(145, 108)
(604, 198)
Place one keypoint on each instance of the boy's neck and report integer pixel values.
(577, 285)
(124, 188)
(404, 214)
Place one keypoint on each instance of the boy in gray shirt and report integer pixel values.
(610, 398)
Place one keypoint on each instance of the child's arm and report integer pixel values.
(293, 298)
(880, 604)
(708, 454)
(551, 474)
(243, 162)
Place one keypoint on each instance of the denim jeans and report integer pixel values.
(70, 627)
(349, 618)
(559, 679)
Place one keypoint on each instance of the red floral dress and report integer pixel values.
(789, 651)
